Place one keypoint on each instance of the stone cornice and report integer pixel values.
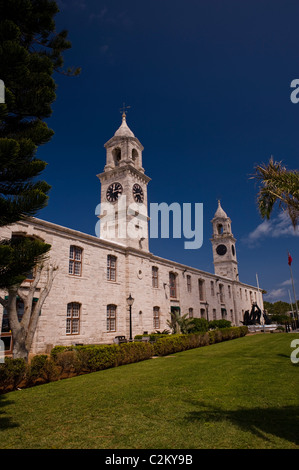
(125, 168)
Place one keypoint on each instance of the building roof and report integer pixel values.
(220, 212)
(124, 130)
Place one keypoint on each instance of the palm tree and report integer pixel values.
(179, 324)
(278, 185)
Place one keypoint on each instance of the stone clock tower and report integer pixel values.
(124, 217)
(223, 243)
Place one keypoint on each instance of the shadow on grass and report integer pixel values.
(281, 422)
(5, 421)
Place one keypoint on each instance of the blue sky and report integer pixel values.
(208, 83)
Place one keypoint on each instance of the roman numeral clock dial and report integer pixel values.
(113, 192)
(138, 193)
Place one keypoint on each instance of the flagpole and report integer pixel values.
(290, 262)
(291, 303)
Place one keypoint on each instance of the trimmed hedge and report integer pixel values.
(152, 336)
(98, 357)
(69, 361)
(177, 343)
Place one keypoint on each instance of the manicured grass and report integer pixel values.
(237, 394)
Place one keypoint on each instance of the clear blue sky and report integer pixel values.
(208, 82)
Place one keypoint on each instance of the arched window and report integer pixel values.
(134, 155)
(111, 317)
(221, 292)
(172, 285)
(75, 260)
(111, 268)
(212, 288)
(155, 276)
(156, 318)
(201, 290)
(73, 318)
(220, 229)
(116, 153)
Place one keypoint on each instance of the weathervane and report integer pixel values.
(123, 110)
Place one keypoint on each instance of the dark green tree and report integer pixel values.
(280, 186)
(277, 308)
(30, 52)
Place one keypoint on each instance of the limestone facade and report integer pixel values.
(88, 302)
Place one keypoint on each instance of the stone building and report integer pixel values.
(88, 300)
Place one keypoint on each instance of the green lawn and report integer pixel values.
(241, 394)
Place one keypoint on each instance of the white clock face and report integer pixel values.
(138, 193)
(114, 191)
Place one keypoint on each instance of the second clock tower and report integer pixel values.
(123, 215)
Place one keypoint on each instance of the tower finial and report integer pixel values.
(123, 110)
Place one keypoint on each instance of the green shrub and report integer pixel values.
(152, 336)
(177, 343)
(94, 358)
(41, 369)
(219, 324)
(134, 352)
(91, 358)
(12, 373)
(58, 349)
(67, 360)
(200, 325)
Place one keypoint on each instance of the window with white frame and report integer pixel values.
(172, 285)
(155, 279)
(156, 318)
(73, 318)
(111, 268)
(201, 292)
(75, 260)
(212, 288)
(111, 317)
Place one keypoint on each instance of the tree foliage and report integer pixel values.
(277, 308)
(278, 185)
(30, 52)
(178, 323)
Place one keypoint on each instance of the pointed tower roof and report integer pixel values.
(220, 212)
(124, 130)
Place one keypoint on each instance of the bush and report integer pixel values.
(91, 358)
(177, 343)
(135, 352)
(67, 360)
(152, 336)
(219, 324)
(58, 349)
(12, 373)
(200, 325)
(41, 369)
(94, 358)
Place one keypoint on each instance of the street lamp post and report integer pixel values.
(130, 302)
